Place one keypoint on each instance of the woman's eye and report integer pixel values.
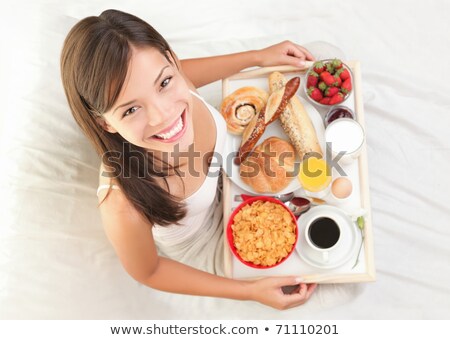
(131, 110)
(166, 82)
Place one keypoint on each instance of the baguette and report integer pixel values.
(277, 102)
(296, 122)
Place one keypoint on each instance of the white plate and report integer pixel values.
(344, 251)
(233, 142)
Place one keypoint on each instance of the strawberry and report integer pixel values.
(325, 101)
(336, 63)
(331, 91)
(345, 74)
(313, 78)
(318, 67)
(315, 93)
(346, 86)
(322, 86)
(337, 81)
(336, 99)
(330, 68)
(327, 78)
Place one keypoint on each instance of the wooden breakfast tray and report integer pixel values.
(364, 271)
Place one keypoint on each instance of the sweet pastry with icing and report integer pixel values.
(241, 106)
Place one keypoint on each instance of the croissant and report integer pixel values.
(241, 106)
(295, 121)
(275, 106)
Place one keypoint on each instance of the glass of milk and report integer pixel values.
(345, 136)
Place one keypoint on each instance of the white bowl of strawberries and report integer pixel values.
(328, 82)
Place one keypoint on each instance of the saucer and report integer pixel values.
(344, 251)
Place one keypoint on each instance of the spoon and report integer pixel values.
(299, 205)
(281, 197)
(284, 197)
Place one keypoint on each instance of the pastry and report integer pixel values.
(241, 106)
(295, 121)
(270, 166)
(275, 106)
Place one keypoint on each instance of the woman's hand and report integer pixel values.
(268, 291)
(285, 53)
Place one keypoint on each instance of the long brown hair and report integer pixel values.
(94, 64)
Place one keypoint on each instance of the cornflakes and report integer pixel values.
(263, 233)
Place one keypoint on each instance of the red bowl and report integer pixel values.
(230, 231)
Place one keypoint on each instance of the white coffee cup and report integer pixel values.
(323, 234)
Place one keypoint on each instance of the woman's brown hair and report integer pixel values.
(94, 64)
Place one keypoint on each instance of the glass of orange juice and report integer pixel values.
(315, 176)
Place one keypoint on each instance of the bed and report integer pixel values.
(55, 260)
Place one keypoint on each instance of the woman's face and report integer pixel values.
(154, 108)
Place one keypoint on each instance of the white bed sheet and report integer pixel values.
(55, 261)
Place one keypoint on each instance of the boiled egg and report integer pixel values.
(341, 187)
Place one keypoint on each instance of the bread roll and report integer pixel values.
(270, 166)
(295, 121)
(275, 106)
(241, 106)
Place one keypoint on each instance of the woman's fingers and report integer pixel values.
(285, 53)
(270, 291)
(295, 51)
(294, 61)
(297, 299)
(296, 55)
(300, 295)
(299, 51)
(311, 288)
(308, 54)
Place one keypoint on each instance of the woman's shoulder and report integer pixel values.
(113, 202)
(106, 175)
(105, 181)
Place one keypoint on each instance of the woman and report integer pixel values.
(137, 104)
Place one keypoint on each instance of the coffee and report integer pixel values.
(324, 232)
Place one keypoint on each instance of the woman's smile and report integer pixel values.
(174, 132)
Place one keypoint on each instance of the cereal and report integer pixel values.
(263, 233)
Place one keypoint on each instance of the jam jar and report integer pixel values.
(337, 112)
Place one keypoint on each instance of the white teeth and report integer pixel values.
(177, 128)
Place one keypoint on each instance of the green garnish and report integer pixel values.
(360, 223)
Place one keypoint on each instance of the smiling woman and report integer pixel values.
(137, 104)
(96, 49)
(156, 114)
